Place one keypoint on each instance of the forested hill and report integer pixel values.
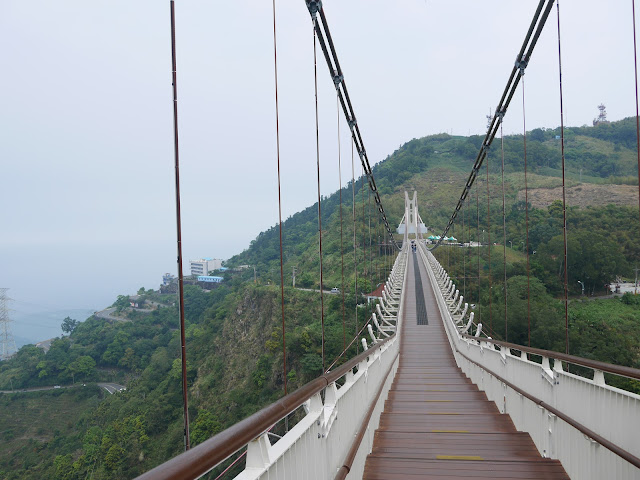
(234, 338)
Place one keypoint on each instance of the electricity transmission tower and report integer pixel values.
(7, 342)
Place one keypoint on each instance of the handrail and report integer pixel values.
(201, 459)
(597, 365)
(632, 459)
(344, 470)
(629, 372)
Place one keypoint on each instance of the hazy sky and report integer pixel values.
(86, 142)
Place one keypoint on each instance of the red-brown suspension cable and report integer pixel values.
(378, 279)
(469, 247)
(370, 246)
(183, 341)
(564, 199)
(464, 258)
(504, 237)
(315, 77)
(478, 245)
(355, 252)
(526, 215)
(489, 243)
(344, 331)
(635, 66)
(275, 71)
(364, 234)
(364, 223)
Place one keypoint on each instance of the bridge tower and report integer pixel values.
(411, 222)
(7, 342)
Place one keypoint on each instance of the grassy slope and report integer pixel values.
(49, 423)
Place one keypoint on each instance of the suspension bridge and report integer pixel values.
(433, 394)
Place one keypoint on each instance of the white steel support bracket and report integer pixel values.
(330, 411)
(546, 371)
(258, 452)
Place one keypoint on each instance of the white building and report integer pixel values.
(204, 266)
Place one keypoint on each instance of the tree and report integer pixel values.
(121, 303)
(82, 365)
(205, 426)
(69, 325)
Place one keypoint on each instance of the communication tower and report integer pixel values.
(7, 342)
(602, 117)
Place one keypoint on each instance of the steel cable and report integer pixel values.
(344, 332)
(183, 340)
(275, 71)
(315, 78)
(355, 252)
(333, 64)
(504, 238)
(522, 60)
(489, 245)
(564, 199)
(635, 66)
(526, 215)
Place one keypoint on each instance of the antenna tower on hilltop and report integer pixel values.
(602, 117)
(7, 342)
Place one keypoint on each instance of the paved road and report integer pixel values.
(106, 314)
(317, 291)
(112, 387)
(109, 387)
(37, 389)
(45, 344)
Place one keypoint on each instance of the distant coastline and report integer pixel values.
(33, 326)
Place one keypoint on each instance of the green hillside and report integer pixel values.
(234, 336)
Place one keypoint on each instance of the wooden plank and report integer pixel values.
(436, 424)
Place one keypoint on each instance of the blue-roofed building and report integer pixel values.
(209, 279)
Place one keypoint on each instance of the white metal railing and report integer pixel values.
(342, 410)
(315, 448)
(591, 427)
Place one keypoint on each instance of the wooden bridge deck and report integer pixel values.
(437, 424)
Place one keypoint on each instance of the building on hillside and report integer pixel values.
(204, 266)
(208, 282)
(136, 301)
(209, 279)
(168, 279)
(376, 294)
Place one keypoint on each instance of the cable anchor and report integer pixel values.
(314, 7)
(337, 79)
(521, 64)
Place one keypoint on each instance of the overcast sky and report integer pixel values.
(86, 142)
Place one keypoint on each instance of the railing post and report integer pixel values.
(598, 377)
(258, 452)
